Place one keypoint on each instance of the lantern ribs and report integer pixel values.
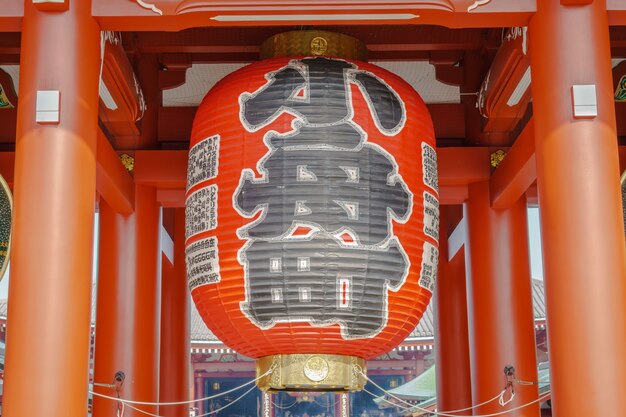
(174, 123)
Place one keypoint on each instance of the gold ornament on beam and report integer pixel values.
(313, 43)
(128, 162)
(497, 157)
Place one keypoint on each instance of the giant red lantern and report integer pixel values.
(312, 212)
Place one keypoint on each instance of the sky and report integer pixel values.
(534, 237)
(534, 242)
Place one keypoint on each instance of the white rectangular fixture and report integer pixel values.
(585, 101)
(48, 107)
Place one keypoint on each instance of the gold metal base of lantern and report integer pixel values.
(313, 43)
(311, 372)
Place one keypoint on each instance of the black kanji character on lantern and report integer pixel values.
(294, 280)
(324, 174)
(325, 99)
(337, 190)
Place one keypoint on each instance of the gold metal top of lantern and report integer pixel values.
(313, 43)
(311, 372)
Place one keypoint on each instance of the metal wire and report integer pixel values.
(127, 402)
(448, 414)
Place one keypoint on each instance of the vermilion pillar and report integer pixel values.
(47, 356)
(175, 342)
(199, 390)
(580, 208)
(128, 317)
(115, 303)
(453, 368)
(500, 311)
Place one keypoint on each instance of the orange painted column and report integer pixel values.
(175, 332)
(128, 315)
(499, 294)
(451, 339)
(47, 356)
(582, 231)
(115, 305)
(199, 405)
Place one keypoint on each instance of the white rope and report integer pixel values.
(201, 415)
(448, 414)
(128, 402)
(504, 402)
(500, 394)
(286, 407)
(321, 404)
(229, 404)
(95, 384)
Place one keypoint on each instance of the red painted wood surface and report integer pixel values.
(128, 316)
(55, 185)
(500, 310)
(175, 332)
(454, 389)
(580, 207)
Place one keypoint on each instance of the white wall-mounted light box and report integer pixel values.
(48, 107)
(585, 101)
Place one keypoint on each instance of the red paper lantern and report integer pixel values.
(312, 208)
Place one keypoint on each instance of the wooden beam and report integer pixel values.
(517, 172)
(622, 158)
(8, 120)
(224, 366)
(10, 43)
(7, 167)
(11, 14)
(391, 363)
(169, 15)
(161, 169)
(452, 194)
(226, 375)
(171, 198)
(616, 9)
(113, 182)
(379, 39)
(463, 165)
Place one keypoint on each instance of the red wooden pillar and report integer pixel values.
(580, 208)
(199, 389)
(452, 359)
(115, 304)
(500, 311)
(191, 381)
(128, 316)
(175, 342)
(47, 356)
